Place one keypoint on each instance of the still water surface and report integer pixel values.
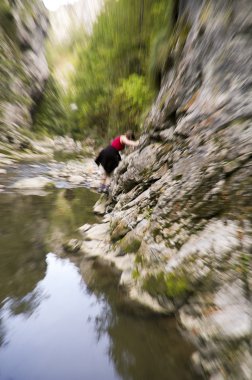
(57, 325)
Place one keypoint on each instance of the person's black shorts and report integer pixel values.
(109, 158)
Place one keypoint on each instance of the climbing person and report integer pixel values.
(109, 157)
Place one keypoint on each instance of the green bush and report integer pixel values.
(129, 101)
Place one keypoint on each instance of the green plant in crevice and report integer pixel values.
(135, 274)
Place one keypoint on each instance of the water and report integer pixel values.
(30, 170)
(62, 320)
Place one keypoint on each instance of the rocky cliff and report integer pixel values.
(23, 66)
(180, 210)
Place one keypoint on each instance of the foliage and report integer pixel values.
(105, 74)
(128, 103)
(110, 85)
(51, 115)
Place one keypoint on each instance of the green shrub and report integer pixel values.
(129, 101)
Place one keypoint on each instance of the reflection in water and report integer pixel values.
(31, 226)
(141, 348)
(53, 325)
(26, 305)
(71, 209)
(55, 342)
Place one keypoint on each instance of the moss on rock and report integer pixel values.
(170, 285)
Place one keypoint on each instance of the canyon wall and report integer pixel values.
(23, 66)
(181, 203)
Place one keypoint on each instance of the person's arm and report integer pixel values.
(124, 140)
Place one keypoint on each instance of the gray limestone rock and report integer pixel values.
(100, 206)
(190, 180)
(23, 67)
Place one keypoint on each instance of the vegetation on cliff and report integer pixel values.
(51, 115)
(111, 86)
(111, 72)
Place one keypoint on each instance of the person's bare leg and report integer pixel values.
(107, 180)
(103, 179)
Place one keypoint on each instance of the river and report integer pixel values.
(57, 323)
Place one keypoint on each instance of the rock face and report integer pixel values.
(23, 66)
(181, 203)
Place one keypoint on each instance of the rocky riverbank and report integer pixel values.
(41, 166)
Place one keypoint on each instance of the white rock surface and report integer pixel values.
(32, 183)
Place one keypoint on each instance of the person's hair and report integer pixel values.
(130, 135)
